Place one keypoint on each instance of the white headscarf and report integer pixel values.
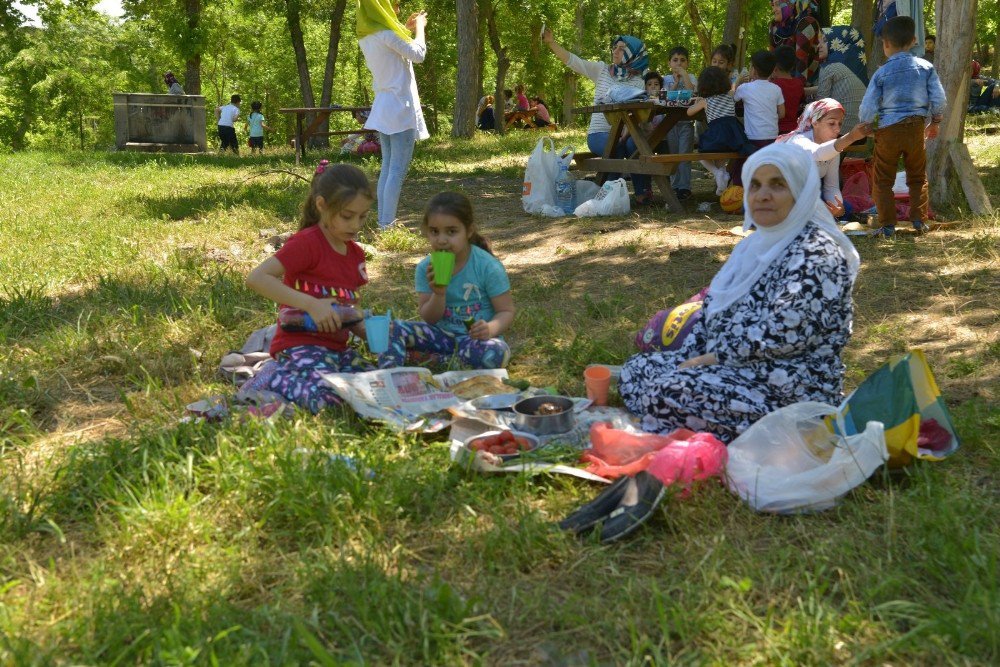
(757, 252)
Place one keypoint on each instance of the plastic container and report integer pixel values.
(564, 190)
(295, 320)
(377, 332)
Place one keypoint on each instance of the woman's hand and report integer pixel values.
(547, 36)
(836, 207)
(326, 319)
(701, 360)
(437, 289)
(481, 330)
(417, 19)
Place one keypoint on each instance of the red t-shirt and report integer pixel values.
(522, 102)
(314, 267)
(794, 90)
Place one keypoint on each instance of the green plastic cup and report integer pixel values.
(443, 262)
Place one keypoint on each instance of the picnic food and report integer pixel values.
(479, 385)
(503, 443)
(548, 409)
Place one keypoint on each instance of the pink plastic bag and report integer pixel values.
(681, 457)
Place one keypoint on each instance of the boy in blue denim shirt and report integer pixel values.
(902, 95)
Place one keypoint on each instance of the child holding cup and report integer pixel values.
(463, 292)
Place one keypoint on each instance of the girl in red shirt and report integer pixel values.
(319, 266)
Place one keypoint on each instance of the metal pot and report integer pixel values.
(525, 418)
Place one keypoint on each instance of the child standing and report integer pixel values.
(680, 139)
(902, 96)
(256, 127)
(763, 102)
(467, 317)
(641, 182)
(319, 266)
(724, 133)
(793, 88)
(225, 117)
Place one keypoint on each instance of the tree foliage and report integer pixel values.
(55, 76)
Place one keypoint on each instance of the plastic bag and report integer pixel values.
(540, 177)
(680, 457)
(586, 190)
(622, 93)
(794, 460)
(611, 199)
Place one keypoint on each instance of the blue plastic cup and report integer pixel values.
(377, 332)
(683, 95)
(673, 95)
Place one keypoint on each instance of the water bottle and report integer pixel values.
(295, 320)
(565, 190)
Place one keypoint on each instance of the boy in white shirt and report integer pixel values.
(763, 101)
(226, 117)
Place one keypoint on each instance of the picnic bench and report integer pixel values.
(320, 114)
(644, 160)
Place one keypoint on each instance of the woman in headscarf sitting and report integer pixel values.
(629, 62)
(173, 86)
(842, 73)
(819, 133)
(775, 318)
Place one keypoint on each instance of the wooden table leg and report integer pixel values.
(617, 124)
(643, 148)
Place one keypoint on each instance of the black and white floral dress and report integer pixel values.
(779, 345)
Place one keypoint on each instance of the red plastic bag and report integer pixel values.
(681, 457)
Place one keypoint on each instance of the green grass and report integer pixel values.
(129, 537)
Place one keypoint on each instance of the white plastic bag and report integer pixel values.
(540, 174)
(611, 199)
(791, 461)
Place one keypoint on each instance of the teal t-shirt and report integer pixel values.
(470, 291)
(256, 122)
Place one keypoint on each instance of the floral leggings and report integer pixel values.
(296, 374)
(409, 336)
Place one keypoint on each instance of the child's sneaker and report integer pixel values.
(721, 181)
(886, 231)
(919, 227)
(682, 194)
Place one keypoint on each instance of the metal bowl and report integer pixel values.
(525, 418)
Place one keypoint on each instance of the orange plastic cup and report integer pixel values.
(597, 380)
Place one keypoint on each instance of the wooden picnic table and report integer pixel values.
(645, 159)
(319, 114)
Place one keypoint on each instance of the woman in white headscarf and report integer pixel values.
(776, 317)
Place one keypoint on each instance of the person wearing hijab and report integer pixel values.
(629, 62)
(818, 133)
(173, 86)
(775, 320)
(842, 73)
(390, 51)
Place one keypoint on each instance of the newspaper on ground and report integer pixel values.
(407, 398)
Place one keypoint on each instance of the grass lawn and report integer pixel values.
(127, 536)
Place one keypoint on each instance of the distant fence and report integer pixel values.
(172, 123)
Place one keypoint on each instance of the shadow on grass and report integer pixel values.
(274, 196)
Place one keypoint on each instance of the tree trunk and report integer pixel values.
(824, 12)
(996, 47)
(534, 70)
(570, 80)
(332, 49)
(949, 166)
(503, 64)
(466, 92)
(192, 68)
(704, 35)
(293, 19)
(734, 21)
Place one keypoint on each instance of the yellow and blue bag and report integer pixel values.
(903, 395)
